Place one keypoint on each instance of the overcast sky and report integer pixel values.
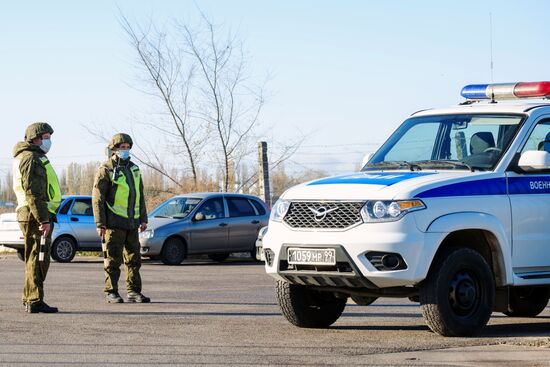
(344, 72)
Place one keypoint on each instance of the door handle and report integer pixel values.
(255, 221)
(74, 219)
(223, 224)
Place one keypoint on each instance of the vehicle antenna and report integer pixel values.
(491, 42)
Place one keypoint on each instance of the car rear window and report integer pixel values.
(239, 207)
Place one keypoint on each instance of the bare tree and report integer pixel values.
(200, 74)
(229, 102)
(169, 79)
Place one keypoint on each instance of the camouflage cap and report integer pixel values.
(36, 130)
(118, 139)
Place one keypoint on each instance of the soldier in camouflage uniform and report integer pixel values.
(38, 198)
(119, 212)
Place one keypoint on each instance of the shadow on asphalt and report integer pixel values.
(381, 314)
(380, 327)
(516, 330)
(490, 331)
(384, 305)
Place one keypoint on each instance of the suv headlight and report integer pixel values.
(389, 211)
(148, 233)
(279, 210)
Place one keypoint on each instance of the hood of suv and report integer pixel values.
(381, 185)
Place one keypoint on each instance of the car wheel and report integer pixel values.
(173, 252)
(363, 300)
(21, 254)
(458, 295)
(527, 301)
(63, 249)
(218, 257)
(308, 308)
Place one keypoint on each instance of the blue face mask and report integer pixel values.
(46, 145)
(124, 154)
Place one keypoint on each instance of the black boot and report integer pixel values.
(40, 306)
(114, 297)
(137, 297)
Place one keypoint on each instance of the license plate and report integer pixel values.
(312, 256)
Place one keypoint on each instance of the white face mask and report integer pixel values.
(46, 145)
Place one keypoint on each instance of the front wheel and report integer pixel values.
(63, 249)
(308, 308)
(21, 254)
(173, 252)
(458, 295)
(527, 301)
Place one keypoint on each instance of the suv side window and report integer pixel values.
(259, 207)
(240, 207)
(82, 207)
(539, 138)
(212, 209)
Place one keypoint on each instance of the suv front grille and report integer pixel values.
(327, 215)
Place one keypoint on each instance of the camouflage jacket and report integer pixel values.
(34, 181)
(104, 192)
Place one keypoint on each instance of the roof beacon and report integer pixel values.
(506, 91)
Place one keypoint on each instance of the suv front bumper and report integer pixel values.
(358, 250)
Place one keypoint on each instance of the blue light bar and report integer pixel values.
(475, 91)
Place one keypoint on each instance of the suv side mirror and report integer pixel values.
(198, 217)
(534, 160)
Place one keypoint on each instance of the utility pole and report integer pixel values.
(263, 173)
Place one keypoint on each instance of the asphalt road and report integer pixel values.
(226, 314)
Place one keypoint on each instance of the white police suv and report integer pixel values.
(453, 211)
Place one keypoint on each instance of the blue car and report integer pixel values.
(74, 231)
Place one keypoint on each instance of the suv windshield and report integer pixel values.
(175, 208)
(466, 142)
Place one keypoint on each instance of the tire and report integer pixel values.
(218, 257)
(363, 300)
(458, 295)
(21, 254)
(307, 308)
(527, 301)
(173, 252)
(63, 249)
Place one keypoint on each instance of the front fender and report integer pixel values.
(500, 243)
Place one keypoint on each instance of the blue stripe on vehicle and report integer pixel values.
(381, 178)
(493, 186)
(529, 185)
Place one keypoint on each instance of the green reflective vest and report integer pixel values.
(122, 193)
(54, 190)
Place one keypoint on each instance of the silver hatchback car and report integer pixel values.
(215, 224)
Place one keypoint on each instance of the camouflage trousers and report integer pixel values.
(35, 270)
(121, 245)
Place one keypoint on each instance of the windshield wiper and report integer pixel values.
(439, 162)
(397, 164)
